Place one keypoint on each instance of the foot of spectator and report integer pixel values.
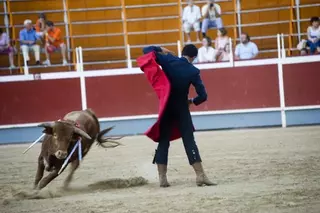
(198, 41)
(12, 67)
(189, 41)
(47, 62)
(38, 63)
(64, 62)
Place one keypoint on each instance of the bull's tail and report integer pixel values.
(107, 142)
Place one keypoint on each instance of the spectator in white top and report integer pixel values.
(246, 49)
(206, 53)
(314, 35)
(191, 19)
(211, 13)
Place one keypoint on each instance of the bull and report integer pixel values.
(61, 136)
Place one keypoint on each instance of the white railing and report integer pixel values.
(231, 63)
(80, 64)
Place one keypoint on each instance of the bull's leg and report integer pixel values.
(40, 171)
(74, 166)
(45, 181)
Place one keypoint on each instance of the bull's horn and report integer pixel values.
(82, 133)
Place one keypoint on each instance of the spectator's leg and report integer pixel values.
(212, 24)
(11, 52)
(312, 47)
(219, 23)
(187, 30)
(36, 50)
(63, 49)
(205, 26)
(25, 53)
(196, 28)
(318, 46)
(47, 62)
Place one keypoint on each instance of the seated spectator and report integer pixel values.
(302, 47)
(191, 19)
(54, 42)
(211, 13)
(221, 45)
(206, 53)
(41, 24)
(28, 41)
(5, 47)
(303, 52)
(246, 49)
(314, 35)
(226, 55)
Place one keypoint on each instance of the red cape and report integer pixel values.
(161, 85)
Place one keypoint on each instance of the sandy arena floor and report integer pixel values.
(258, 171)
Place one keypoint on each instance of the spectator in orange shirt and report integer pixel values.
(54, 42)
(41, 24)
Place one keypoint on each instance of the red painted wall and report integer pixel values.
(130, 95)
(36, 101)
(241, 88)
(302, 84)
(232, 88)
(121, 95)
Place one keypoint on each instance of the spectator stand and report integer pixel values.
(303, 10)
(152, 24)
(5, 24)
(17, 16)
(228, 16)
(274, 17)
(112, 33)
(98, 26)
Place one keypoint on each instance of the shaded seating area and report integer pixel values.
(112, 33)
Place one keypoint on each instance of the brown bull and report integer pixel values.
(60, 138)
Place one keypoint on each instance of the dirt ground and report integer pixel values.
(258, 171)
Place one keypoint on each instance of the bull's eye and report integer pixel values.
(55, 135)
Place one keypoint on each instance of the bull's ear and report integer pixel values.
(81, 133)
(48, 128)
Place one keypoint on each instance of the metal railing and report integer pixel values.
(151, 5)
(95, 9)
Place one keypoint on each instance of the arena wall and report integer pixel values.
(267, 92)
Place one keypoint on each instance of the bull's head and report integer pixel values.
(63, 134)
